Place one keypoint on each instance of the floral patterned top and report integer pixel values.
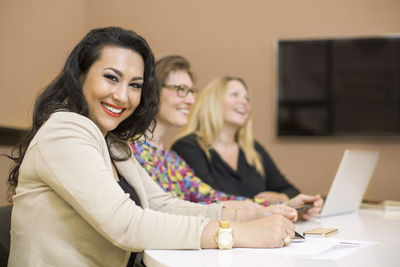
(174, 175)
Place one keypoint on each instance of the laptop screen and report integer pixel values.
(351, 181)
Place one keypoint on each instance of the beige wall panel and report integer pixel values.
(36, 37)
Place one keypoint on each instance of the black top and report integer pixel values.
(129, 189)
(245, 181)
(132, 195)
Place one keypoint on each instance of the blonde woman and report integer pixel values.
(218, 144)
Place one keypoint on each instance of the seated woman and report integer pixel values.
(166, 168)
(81, 199)
(218, 144)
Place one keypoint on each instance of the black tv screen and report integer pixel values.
(339, 87)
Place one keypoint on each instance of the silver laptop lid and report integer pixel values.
(351, 181)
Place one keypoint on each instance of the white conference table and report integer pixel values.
(364, 225)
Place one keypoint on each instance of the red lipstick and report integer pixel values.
(109, 112)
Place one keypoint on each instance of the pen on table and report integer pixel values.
(307, 206)
(349, 243)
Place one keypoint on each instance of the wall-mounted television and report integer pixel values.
(339, 87)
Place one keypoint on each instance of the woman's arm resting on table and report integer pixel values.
(267, 232)
(246, 215)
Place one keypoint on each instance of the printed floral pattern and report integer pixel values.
(174, 175)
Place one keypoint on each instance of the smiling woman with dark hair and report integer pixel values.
(81, 198)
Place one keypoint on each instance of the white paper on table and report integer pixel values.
(320, 248)
(309, 247)
(342, 248)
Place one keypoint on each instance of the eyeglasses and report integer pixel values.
(182, 90)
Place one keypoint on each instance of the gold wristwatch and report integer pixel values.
(224, 237)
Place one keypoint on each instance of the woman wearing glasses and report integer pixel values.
(218, 144)
(166, 168)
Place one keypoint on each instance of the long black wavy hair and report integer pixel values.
(65, 93)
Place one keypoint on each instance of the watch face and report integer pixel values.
(225, 239)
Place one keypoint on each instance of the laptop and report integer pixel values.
(351, 181)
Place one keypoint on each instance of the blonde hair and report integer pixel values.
(207, 120)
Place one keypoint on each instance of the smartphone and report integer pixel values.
(298, 238)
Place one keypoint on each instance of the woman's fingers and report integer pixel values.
(281, 209)
(286, 211)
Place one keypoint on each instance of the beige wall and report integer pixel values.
(36, 37)
(218, 37)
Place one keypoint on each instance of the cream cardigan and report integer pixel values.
(69, 210)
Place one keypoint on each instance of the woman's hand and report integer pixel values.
(301, 200)
(286, 211)
(269, 232)
(241, 204)
(272, 196)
